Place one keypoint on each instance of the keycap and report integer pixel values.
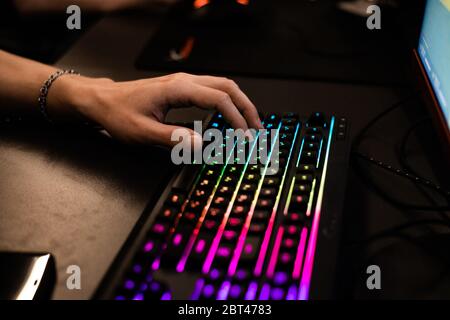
(243, 199)
(175, 199)
(271, 181)
(250, 251)
(311, 146)
(159, 229)
(225, 191)
(309, 157)
(150, 291)
(261, 215)
(257, 228)
(305, 168)
(251, 177)
(220, 202)
(229, 180)
(302, 188)
(268, 192)
(169, 213)
(235, 223)
(189, 218)
(240, 211)
(302, 177)
(248, 187)
(199, 251)
(236, 292)
(210, 225)
(265, 203)
(317, 119)
(299, 202)
(216, 213)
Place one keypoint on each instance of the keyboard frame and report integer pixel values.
(323, 279)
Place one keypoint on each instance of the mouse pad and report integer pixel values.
(285, 39)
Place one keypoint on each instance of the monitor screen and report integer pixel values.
(434, 51)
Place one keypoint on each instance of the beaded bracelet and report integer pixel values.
(43, 93)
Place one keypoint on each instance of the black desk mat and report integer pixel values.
(285, 39)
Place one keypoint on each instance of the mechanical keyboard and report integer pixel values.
(239, 232)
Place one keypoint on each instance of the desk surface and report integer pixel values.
(78, 196)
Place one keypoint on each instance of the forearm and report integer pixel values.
(20, 82)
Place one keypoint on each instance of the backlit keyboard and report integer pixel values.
(234, 231)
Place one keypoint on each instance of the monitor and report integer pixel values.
(433, 55)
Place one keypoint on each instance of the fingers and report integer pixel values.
(154, 132)
(208, 98)
(241, 101)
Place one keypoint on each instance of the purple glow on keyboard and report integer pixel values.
(262, 253)
(251, 291)
(305, 281)
(155, 265)
(154, 286)
(198, 289)
(119, 298)
(144, 286)
(216, 241)
(214, 274)
(235, 291)
(241, 274)
(285, 257)
(166, 296)
(248, 248)
(137, 268)
(280, 278)
(182, 263)
(229, 234)
(138, 296)
(292, 230)
(208, 290)
(275, 251)
(148, 246)
(158, 228)
(177, 239)
(277, 294)
(288, 242)
(223, 291)
(129, 284)
(223, 252)
(292, 293)
(265, 292)
(200, 246)
(300, 252)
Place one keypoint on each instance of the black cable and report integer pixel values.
(411, 177)
(403, 159)
(404, 143)
(360, 136)
(391, 200)
(416, 179)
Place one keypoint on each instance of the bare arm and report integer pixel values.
(131, 111)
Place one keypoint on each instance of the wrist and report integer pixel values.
(76, 98)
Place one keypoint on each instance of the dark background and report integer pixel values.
(77, 194)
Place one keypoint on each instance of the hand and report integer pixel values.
(134, 111)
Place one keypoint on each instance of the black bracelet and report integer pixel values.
(43, 93)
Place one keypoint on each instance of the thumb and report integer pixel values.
(170, 136)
